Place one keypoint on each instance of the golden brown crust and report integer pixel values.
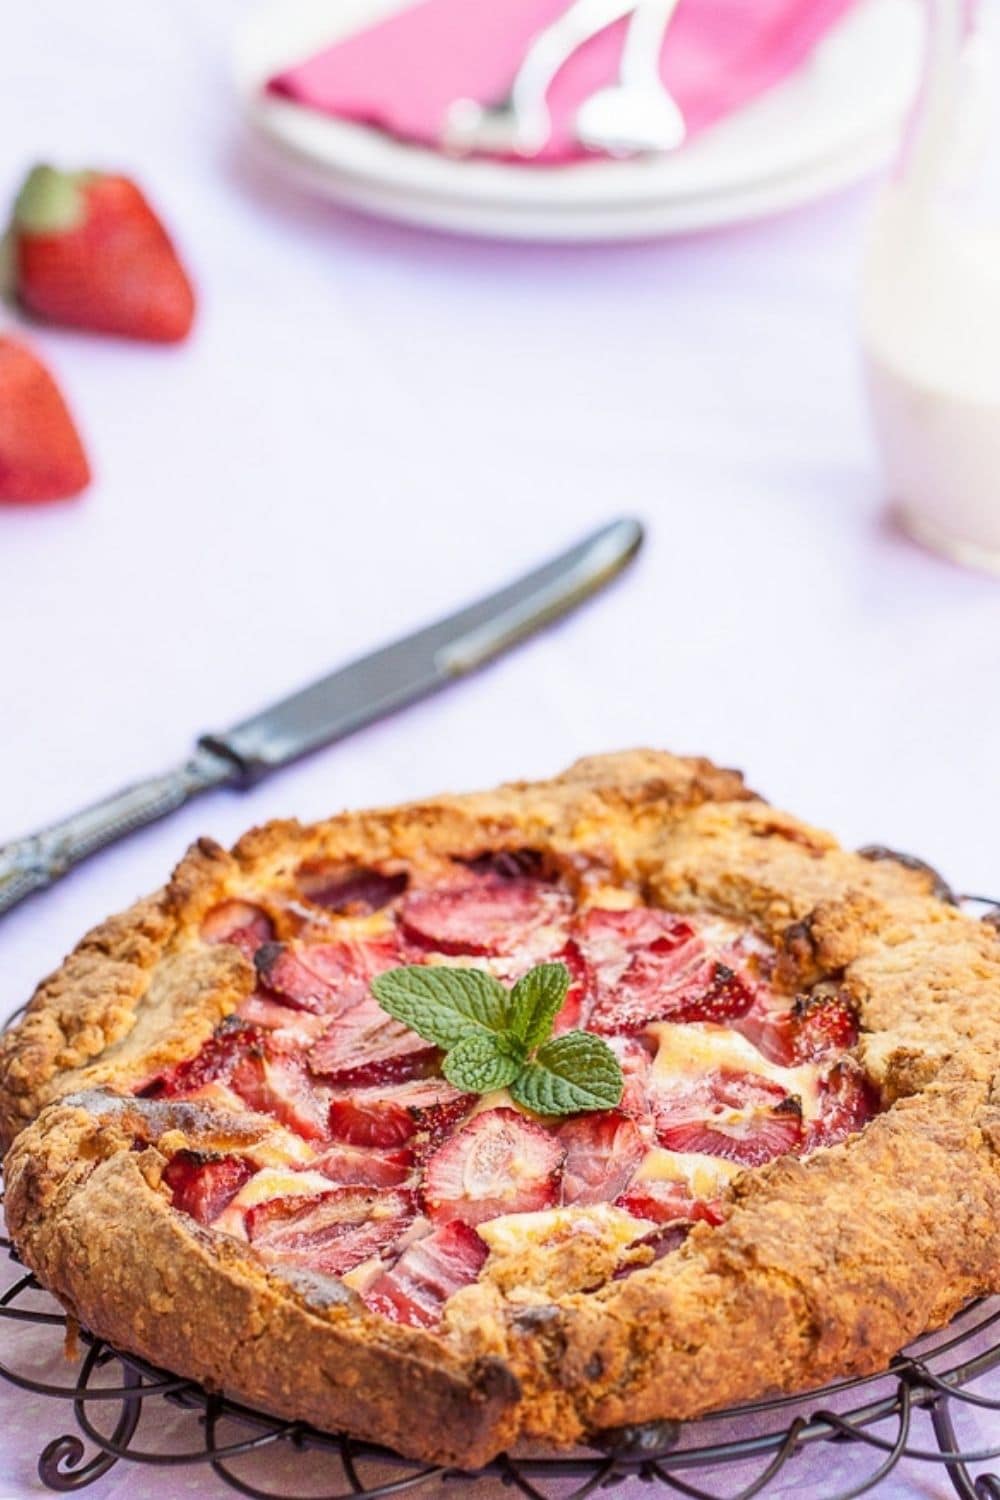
(98, 1231)
(823, 1266)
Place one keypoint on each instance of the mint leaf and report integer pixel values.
(444, 1005)
(535, 1001)
(573, 1072)
(480, 1063)
(495, 1039)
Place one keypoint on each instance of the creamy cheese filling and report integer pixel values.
(511, 1234)
(705, 1176)
(264, 1187)
(696, 1048)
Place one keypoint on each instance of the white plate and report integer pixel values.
(830, 123)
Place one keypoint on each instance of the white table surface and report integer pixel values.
(373, 424)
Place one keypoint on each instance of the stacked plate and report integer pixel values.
(832, 122)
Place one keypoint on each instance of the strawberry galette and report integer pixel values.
(521, 1116)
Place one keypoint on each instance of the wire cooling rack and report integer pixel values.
(911, 1411)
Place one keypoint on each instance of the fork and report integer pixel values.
(520, 123)
(637, 113)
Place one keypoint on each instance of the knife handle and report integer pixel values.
(32, 863)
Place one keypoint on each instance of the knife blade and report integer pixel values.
(328, 710)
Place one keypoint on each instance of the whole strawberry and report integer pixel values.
(41, 456)
(85, 249)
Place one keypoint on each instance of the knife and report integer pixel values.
(328, 710)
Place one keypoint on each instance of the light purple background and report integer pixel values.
(372, 425)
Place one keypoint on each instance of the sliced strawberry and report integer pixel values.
(847, 1101)
(364, 1046)
(770, 1026)
(214, 1063)
(727, 997)
(370, 1120)
(331, 1232)
(361, 1166)
(811, 1028)
(325, 978)
(499, 1163)
(665, 1202)
(289, 1030)
(352, 963)
(609, 938)
(652, 965)
(740, 1116)
(822, 1024)
(279, 1085)
(666, 983)
(485, 915)
(571, 1013)
(634, 1061)
(751, 1141)
(240, 923)
(602, 1153)
(203, 1186)
(613, 941)
(269, 1014)
(350, 890)
(417, 1287)
(287, 978)
(390, 1117)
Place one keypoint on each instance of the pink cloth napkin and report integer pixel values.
(402, 74)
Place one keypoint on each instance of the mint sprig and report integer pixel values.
(443, 1011)
(478, 1064)
(496, 1038)
(572, 1072)
(534, 1003)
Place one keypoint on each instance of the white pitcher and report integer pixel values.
(931, 297)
